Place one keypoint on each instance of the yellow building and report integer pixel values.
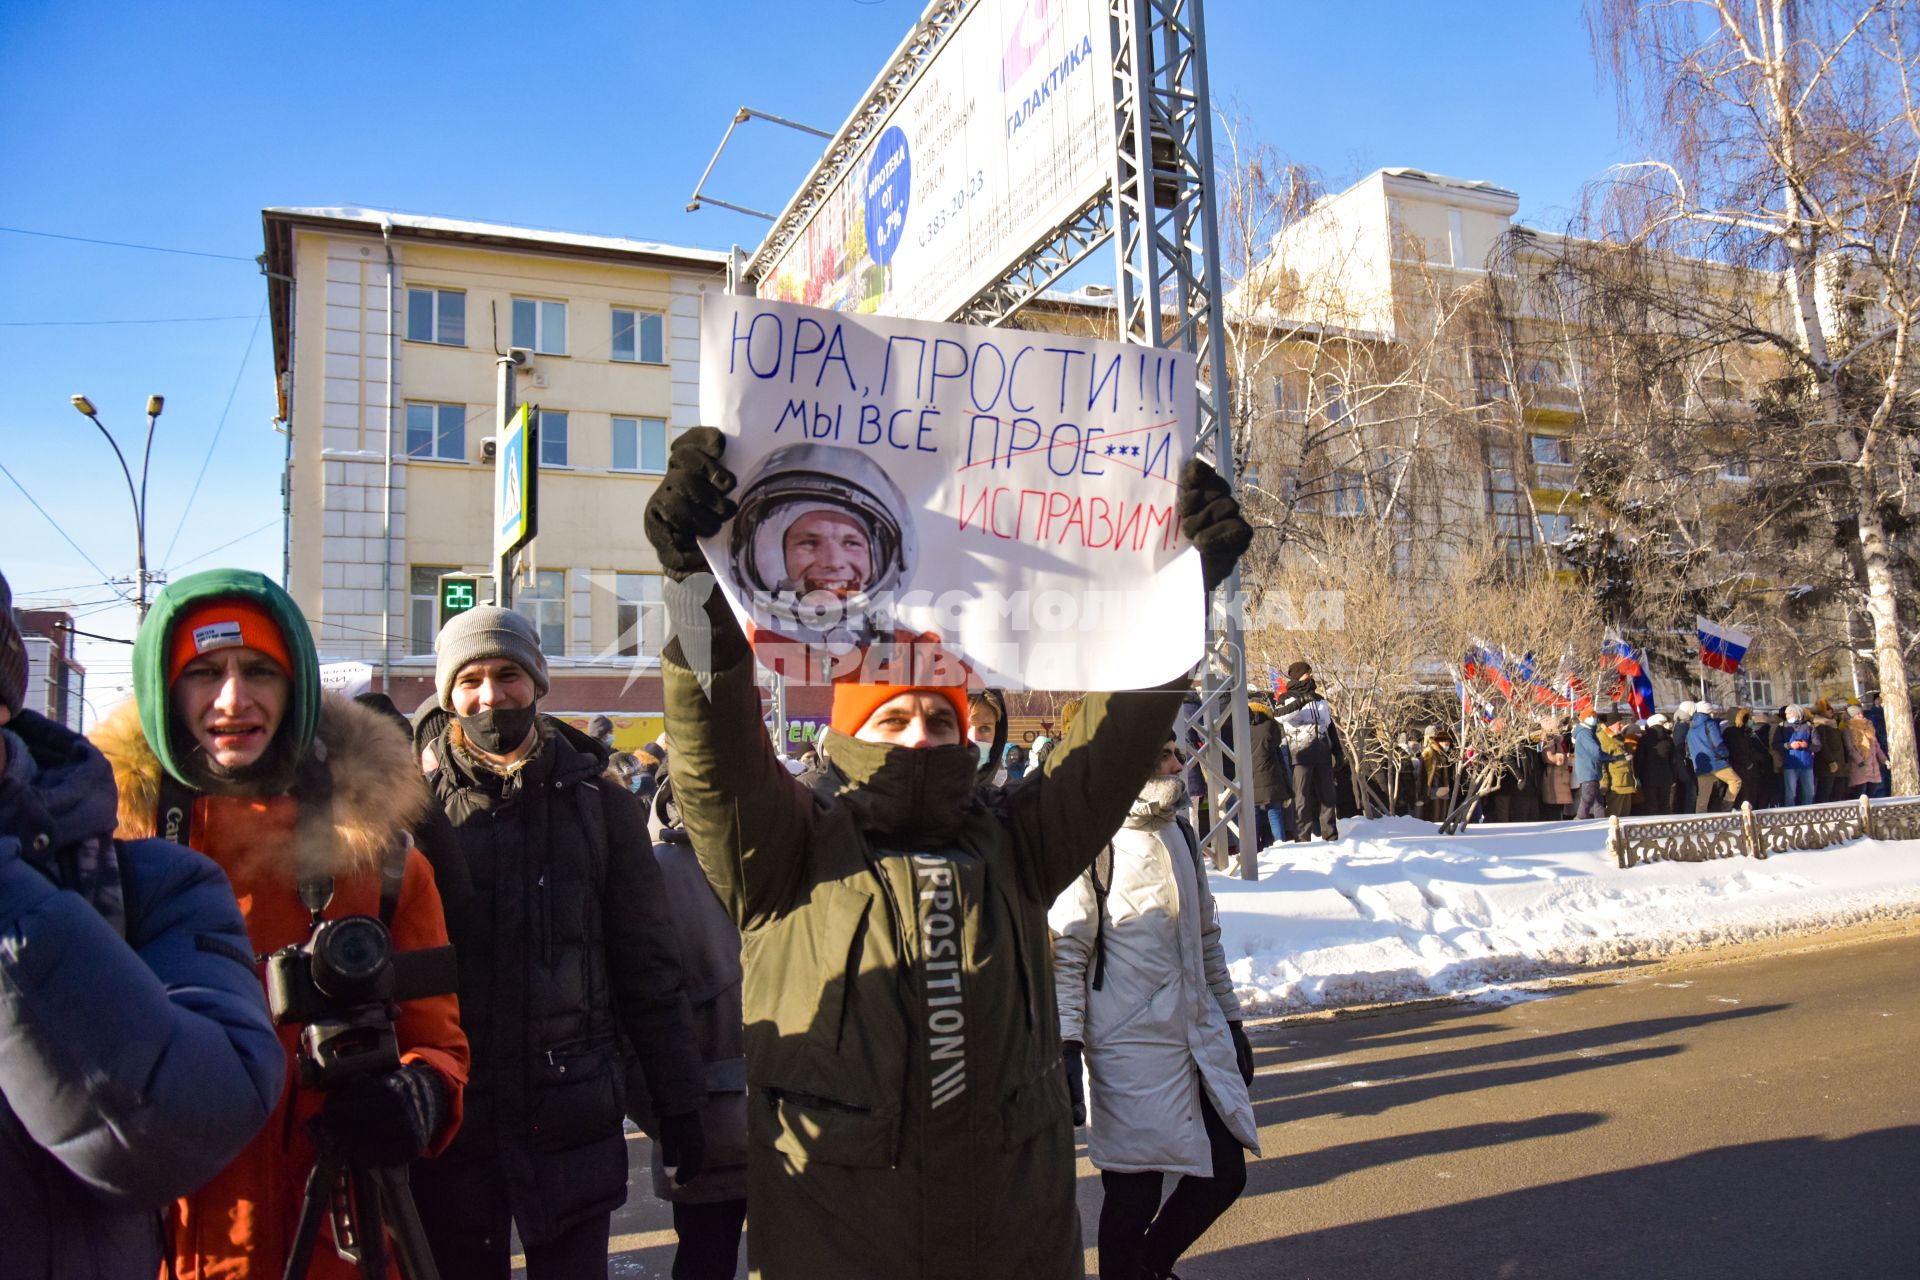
(386, 329)
(1404, 358)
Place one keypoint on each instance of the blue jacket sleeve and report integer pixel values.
(142, 1065)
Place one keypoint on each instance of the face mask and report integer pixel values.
(980, 750)
(633, 783)
(498, 730)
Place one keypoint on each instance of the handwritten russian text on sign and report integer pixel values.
(1002, 497)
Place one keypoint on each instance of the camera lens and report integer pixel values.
(349, 954)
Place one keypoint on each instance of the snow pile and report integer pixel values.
(1396, 911)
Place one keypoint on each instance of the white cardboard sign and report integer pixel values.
(912, 494)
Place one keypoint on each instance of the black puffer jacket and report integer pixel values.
(568, 946)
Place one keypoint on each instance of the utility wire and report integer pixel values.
(53, 324)
(223, 546)
(122, 244)
(221, 426)
(91, 635)
(50, 520)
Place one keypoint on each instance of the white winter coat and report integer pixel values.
(1156, 1030)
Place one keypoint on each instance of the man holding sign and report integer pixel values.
(908, 1112)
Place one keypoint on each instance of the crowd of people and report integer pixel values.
(853, 1009)
(1702, 758)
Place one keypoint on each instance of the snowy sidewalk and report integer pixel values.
(1396, 911)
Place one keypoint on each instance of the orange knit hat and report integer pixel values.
(854, 703)
(225, 624)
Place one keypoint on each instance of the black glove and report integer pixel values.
(683, 1146)
(1211, 519)
(386, 1120)
(691, 502)
(1076, 1089)
(1242, 1051)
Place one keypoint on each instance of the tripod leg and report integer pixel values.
(403, 1222)
(372, 1239)
(313, 1207)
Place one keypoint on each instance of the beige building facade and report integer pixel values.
(386, 328)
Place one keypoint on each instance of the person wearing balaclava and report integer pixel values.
(568, 949)
(1145, 996)
(906, 1100)
(301, 797)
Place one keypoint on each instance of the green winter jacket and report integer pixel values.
(907, 1111)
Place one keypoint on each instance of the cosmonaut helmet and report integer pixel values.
(790, 483)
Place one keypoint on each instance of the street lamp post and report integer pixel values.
(138, 496)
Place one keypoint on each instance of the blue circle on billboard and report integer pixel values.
(889, 183)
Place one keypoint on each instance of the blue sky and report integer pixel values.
(173, 125)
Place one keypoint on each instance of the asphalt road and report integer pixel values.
(1752, 1117)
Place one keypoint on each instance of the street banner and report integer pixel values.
(924, 503)
(1001, 136)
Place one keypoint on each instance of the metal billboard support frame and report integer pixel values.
(1160, 215)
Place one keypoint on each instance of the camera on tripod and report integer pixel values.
(342, 986)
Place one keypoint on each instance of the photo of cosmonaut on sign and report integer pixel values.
(933, 503)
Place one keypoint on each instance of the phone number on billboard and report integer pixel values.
(946, 214)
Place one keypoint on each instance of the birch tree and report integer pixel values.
(1784, 144)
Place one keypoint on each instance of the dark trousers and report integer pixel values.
(1137, 1241)
(709, 1239)
(1313, 798)
(1590, 804)
(469, 1226)
(1508, 807)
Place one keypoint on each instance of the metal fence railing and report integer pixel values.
(1750, 833)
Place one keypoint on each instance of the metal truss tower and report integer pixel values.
(1159, 214)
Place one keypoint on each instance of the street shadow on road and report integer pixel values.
(1782, 1210)
(1291, 1171)
(1368, 1087)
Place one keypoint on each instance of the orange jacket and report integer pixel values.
(240, 1225)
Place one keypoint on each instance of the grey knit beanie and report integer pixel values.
(13, 654)
(487, 632)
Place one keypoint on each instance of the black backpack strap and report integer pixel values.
(1100, 891)
(393, 874)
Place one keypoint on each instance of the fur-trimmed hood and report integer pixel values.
(377, 786)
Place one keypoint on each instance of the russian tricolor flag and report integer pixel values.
(1721, 647)
(1634, 681)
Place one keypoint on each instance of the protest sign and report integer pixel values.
(914, 495)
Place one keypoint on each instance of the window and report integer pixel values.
(1456, 238)
(553, 438)
(1754, 690)
(640, 444)
(437, 315)
(1552, 451)
(1333, 403)
(543, 602)
(539, 326)
(437, 431)
(1349, 493)
(1556, 528)
(639, 336)
(423, 604)
(1290, 396)
(639, 615)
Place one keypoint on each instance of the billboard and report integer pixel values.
(1004, 135)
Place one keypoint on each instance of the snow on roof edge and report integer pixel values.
(374, 218)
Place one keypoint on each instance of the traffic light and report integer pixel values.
(459, 592)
